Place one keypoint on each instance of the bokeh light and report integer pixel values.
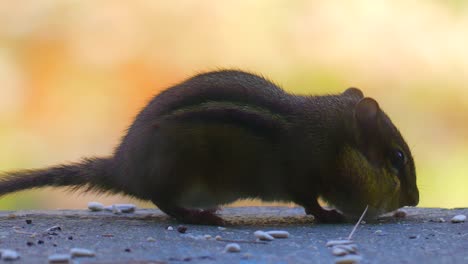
(73, 74)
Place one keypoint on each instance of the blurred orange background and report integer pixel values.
(73, 74)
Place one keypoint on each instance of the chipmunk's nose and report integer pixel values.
(413, 199)
(409, 198)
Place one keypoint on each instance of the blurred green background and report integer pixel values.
(73, 74)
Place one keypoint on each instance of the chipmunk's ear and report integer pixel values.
(353, 92)
(367, 112)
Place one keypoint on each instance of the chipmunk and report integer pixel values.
(227, 135)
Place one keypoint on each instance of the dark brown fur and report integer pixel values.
(223, 134)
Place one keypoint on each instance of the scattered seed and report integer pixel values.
(263, 236)
(337, 251)
(128, 250)
(108, 235)
(182, 229)
(81, 252)
(40, 242)
(29, 243)
(116, 210)
(232, 247)
(207, 237)
(352, 248)
(95, 206)
(278, 234)
(399, 214)
(218, 238)
(150, 239)
(413, 237)
(332, 243)
(121, 208)
(59, 258)
(54, 228)
(126, 208)
(8, 254)
(170, 228)
(70, 238)
(459, 219)
(348, 259)
(28, 221)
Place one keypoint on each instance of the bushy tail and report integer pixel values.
(92, 173)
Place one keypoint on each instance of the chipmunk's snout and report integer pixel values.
(411, 199)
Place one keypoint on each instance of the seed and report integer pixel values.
(8, 254)
(128, 250)
(349, 248)
(263, 236)
(151, 239)
(29, 243)
(70, 238)
(348, 259)
(232, 247)
(121, 208)
(278, 234)
(82, 252)
(207, 237)
(59, 258)
(40, 241)
(182, 229)
(54, 228)
(126, 208)
(116, 210)
(95, 206)
(459, 218)
(28, 221)
(337, 251)
(332, 243)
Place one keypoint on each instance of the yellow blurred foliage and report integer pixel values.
(73, 74)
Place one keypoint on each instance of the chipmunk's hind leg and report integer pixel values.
(190, 216)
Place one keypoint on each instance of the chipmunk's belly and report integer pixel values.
(200, 196)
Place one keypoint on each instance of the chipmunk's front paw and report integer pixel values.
(327, 216)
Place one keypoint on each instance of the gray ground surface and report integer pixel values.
(417, 238)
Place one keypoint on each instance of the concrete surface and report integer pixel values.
(420, 237)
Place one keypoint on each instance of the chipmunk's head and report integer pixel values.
(375, 166)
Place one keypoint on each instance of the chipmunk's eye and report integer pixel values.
(398, 159)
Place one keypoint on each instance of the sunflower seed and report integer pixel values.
(232, 247)
(459, 219)
(82, 252)
(59, 258)
(278, 234)
(348, 259)
(8, 254)
(263, 236)
(332, 243)
(95, 206)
